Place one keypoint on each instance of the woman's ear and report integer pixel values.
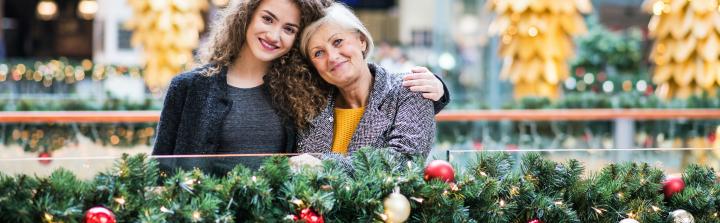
(363, 44)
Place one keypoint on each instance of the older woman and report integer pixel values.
(368, 107)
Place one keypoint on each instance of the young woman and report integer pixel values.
(253, 92)
(368, 107)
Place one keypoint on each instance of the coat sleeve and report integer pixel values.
(413, 130)
(170, 116)
(439, 105)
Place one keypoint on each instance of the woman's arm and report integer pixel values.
(413, 130)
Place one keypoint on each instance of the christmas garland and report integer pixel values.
(377, 189)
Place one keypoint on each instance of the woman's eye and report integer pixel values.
(267, 19)
(317, 54)
(290, 30)
(337, 42)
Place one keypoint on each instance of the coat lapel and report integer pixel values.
(324, 125)
(371, 123)
(217, 107)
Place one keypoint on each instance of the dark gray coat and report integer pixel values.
(192, 116)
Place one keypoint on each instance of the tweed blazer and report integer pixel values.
(394, 118)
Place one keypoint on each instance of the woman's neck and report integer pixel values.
(247, 71)
(356, 94)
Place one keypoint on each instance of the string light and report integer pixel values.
(655, 208)
(87, 9)
(163, 209)
(47, 10)
(48, 217)
(417, 199)
(47, 73)
(658, 8)
(532, 32)
(120, 200)
(631, 215)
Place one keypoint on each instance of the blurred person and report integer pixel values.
(254, 90)
(368, 107)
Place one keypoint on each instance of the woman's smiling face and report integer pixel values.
(337, 54)
(273, 29)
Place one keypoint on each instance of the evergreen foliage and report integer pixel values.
(490, 189)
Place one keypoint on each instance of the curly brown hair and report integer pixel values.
(294, 90)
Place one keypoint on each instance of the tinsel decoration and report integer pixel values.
(536, 42)
(686, 52)
(168, 31)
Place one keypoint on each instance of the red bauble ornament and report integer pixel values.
(672, 185)
(99, 215)
(310, 216)
(44, 155)
(535, 221)
(439, 169)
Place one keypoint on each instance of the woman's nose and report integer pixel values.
(274, 35)
(334, 56)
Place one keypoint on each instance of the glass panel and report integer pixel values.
(86, 167)
(671, 160)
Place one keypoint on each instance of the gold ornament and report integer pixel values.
(397, 207)
(536, 41)
(686, 52)
(168, 31)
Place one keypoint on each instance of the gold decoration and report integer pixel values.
(687, 46)
(536, 41)
(168, 31)
(397, 207)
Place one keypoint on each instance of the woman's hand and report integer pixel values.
(424, 81)
(304, 160)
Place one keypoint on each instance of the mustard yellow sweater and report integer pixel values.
(346, 121)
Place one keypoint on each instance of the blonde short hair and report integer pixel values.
(337, 14)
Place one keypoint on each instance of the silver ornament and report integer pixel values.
(629, 220)
(681, 216)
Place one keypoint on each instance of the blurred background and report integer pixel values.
(590, 80)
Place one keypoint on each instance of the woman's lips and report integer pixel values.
(338, 65)
(267, 46)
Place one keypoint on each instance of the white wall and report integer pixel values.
(415, 15)
(109, 19)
